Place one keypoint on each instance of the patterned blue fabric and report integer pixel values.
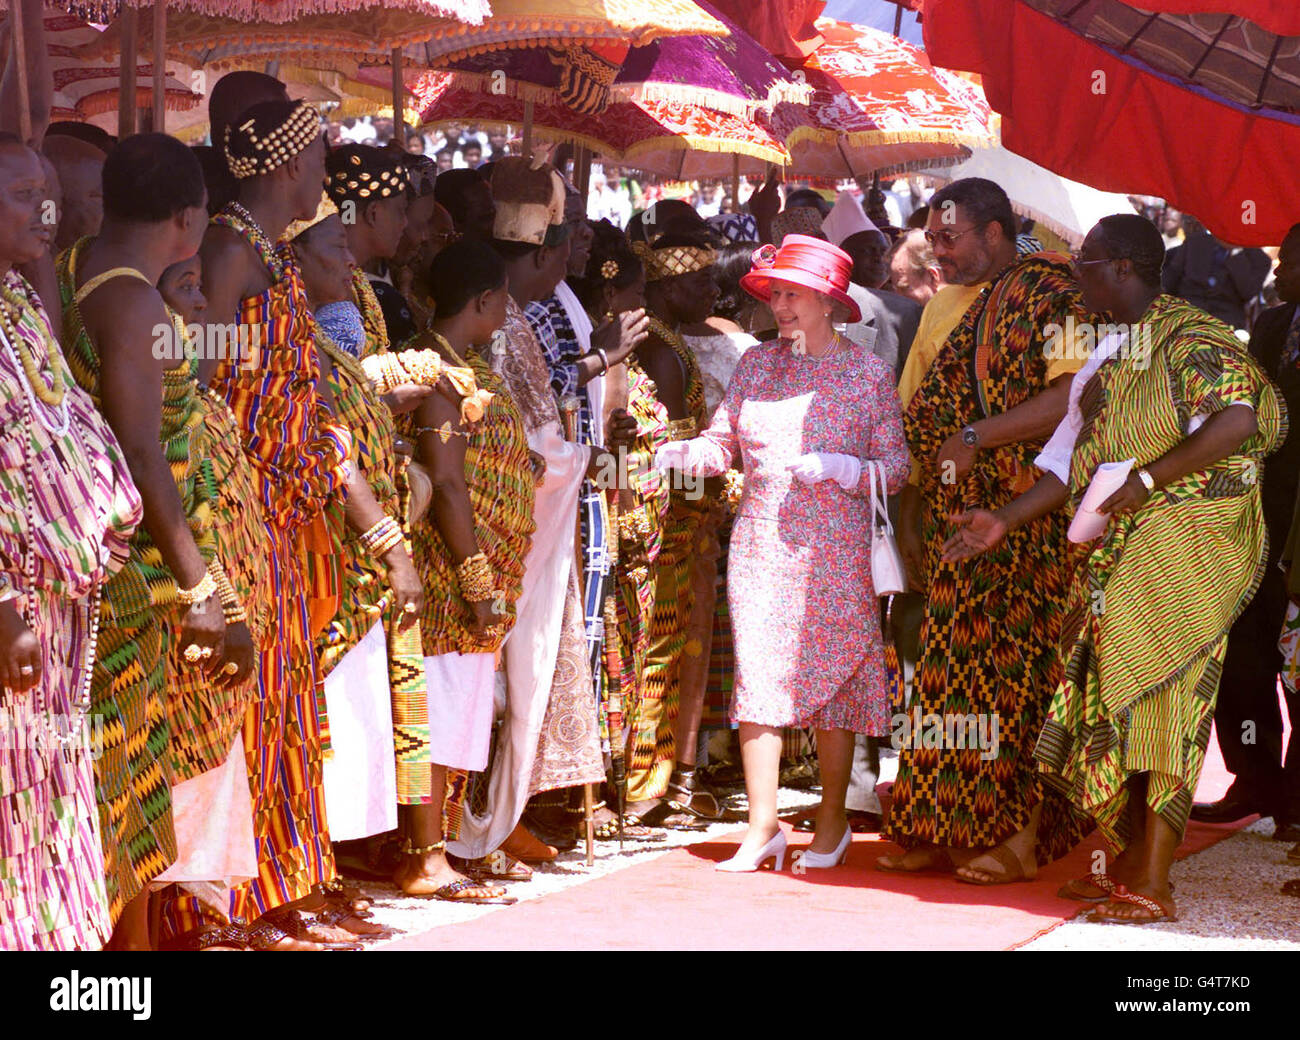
(342, 323)
(550, 324)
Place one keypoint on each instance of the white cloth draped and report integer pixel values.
(533, 645)
(361, 774)
(583, 328)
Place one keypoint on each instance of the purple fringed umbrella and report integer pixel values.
(732, 74)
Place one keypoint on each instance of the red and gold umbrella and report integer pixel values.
(674, 139)
(85, 89)
(879, 103)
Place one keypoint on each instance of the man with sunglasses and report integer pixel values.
(980, 395)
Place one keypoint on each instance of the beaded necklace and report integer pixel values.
(237, 217)
(694, 384)
(13, 306)
(81, 702)
(372, 314)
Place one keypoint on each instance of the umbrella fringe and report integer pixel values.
(474, 11)
(669, 142)
(178, 100)
(875, 138)
(718, 100)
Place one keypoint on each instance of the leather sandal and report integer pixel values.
(1012, 869)
(689, 794)
(452, 892)
(496, 867)
(263, 935)
(291, 923)
(1156, 910)
(228, 938)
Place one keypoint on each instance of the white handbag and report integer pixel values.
(887, 572)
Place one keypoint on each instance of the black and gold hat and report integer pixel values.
(362, 173)
(268, 135)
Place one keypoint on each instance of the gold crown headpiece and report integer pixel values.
(669, 261)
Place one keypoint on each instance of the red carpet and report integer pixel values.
(679, 902)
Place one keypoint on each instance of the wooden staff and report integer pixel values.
(159, 124)
(399, 98)
(126, 74)
(528, 129)
(20, 58)
(569, 408)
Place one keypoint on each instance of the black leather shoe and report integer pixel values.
(1228, 809)
(1287, 832)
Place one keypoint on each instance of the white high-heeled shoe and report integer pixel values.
(775, 848)
(819, 860)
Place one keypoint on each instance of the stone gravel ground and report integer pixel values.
(1229, 898)
(1230, 894)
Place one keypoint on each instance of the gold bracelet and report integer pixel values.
(475, 577)
(386, 533)
(389, 542)
(200, 592)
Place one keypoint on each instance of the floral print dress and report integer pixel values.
(806, 618)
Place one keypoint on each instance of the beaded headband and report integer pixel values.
(356, 181)
(273, 149)
(670, 261)
(326, 208)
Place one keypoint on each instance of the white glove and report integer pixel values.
(817, 466)
(685, 456)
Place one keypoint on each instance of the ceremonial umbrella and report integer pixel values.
(731, 73)
(1167, 98)
(224, 33)
(1066, 207)
(878, 103)
(674, 139)
(86, 90)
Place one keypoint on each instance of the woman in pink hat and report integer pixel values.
(804, 414)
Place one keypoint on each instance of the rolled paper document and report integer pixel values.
(1109, 478)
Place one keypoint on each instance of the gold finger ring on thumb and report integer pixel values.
(230, 668)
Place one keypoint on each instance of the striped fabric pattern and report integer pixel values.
(52, 890)
(498, 473)
(1153, 599)
(989, 639)
(654, 751)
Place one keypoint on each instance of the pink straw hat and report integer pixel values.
(805, 261)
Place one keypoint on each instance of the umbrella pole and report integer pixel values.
(399, 98)
(20, 59)
(159, 124)
(126, 74)
(528, 129)
(735, 183)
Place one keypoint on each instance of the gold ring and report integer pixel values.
(192, 653)
(206, 652)
(409, 608)
(230, 668)
(26, 670)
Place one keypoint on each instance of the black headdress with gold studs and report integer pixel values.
(362, 173)
(268, 135)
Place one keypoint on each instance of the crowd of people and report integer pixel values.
(360, 516)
